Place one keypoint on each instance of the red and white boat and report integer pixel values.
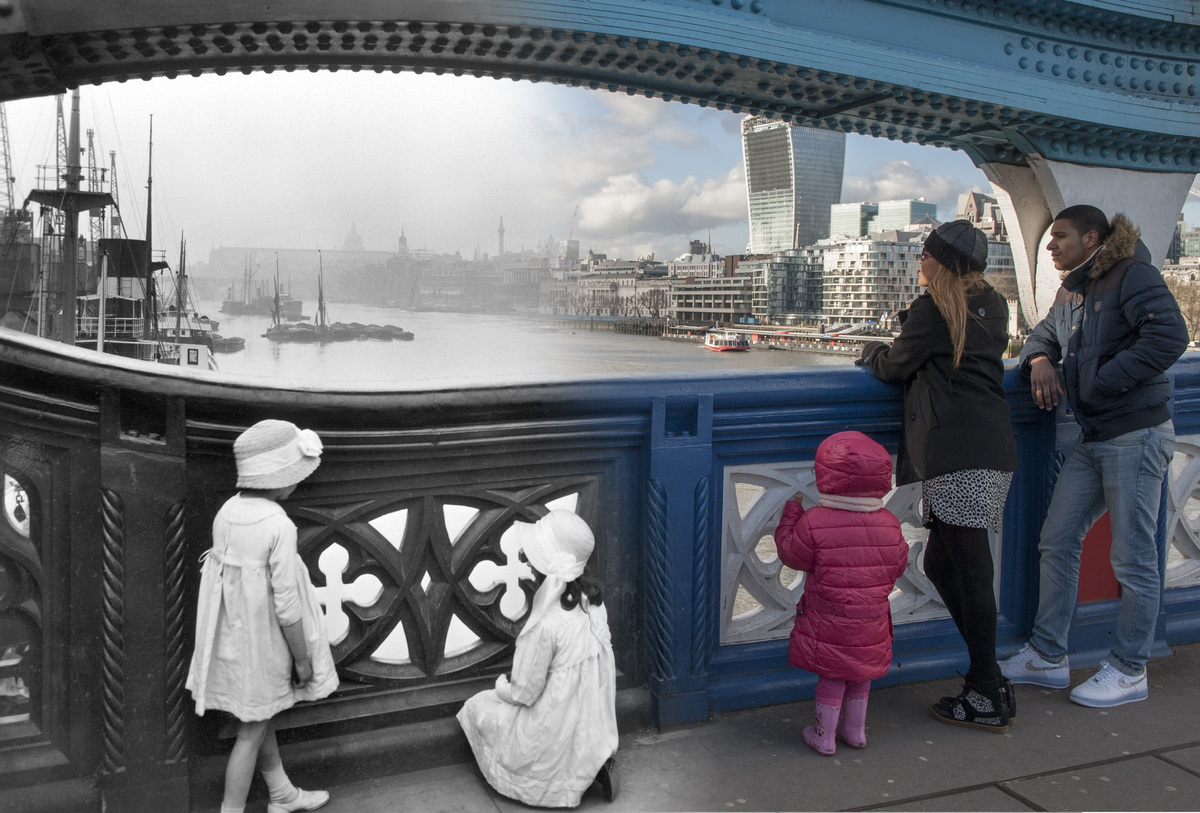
(721, 340)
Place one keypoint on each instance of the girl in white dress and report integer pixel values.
(547, 734)
(260, 635)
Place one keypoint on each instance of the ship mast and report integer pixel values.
(151, 321)
(70, 245)
(180, 287)
(320, 290)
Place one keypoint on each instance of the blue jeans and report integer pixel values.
(1124, 476)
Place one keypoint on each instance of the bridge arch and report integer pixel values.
(1058, 102)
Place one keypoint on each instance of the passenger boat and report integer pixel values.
(721, 340)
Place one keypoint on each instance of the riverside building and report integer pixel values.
(787, 286)
(793, 177)
(868, 280)
(697, 266)
(713, 300)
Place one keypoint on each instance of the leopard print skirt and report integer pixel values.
(972, 498)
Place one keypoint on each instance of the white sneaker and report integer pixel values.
(1110, 687)
(1027, 666)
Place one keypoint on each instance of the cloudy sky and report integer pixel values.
(296, 160)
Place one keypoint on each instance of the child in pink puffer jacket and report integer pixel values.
(853, 551)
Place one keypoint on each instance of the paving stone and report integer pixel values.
(1145, 783)
(985, 799)
(755, 760)
(449, 789)
(1188, 758)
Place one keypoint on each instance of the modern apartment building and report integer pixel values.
(793, 177)
(787, 285)
(713, 300)
(869, 279)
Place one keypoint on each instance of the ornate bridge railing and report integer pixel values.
(112, 475)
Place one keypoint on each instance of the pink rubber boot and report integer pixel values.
(820, 737)
(852, 729)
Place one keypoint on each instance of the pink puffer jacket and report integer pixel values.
(843, 620)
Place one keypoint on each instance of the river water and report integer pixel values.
(475, 349)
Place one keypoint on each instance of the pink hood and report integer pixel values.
(850, 464)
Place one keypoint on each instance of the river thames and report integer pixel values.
(476, 350)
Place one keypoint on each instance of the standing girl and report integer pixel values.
(261, 644)
(545, 736)
(958, 442)
(853, 550)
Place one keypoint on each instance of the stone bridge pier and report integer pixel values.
(1030, 196)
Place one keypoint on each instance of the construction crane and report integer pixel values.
(8, 202)
(114, 222)
(95, 184)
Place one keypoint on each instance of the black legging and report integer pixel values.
(959, 563)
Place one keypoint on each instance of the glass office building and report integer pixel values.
(793, 177)
(900, 214)
(851, 219)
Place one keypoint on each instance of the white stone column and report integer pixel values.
(1030, 196)
(1026, 217)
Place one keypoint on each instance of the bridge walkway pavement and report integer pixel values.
(1057, 756)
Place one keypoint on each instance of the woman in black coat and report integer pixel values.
(957, 440)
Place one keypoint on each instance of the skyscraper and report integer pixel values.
(793, 176)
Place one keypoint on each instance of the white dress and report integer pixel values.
(542, 738)
(252, 584)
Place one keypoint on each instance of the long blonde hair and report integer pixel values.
(950, 292)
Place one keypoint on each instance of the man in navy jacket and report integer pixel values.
(1116, 330)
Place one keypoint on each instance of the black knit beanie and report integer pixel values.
(959, 246)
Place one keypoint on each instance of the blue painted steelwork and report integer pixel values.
(93, 440)
(1098, 83)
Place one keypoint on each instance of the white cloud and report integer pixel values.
(628, 204)
(900, 180)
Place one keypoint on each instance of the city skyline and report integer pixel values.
(295, 160)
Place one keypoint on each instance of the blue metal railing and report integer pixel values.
(124, 464)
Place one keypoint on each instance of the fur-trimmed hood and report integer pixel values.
(1124, 240)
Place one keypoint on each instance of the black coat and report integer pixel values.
(954, 419)
(1117, 330)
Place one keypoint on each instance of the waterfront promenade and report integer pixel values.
(1057, 756)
